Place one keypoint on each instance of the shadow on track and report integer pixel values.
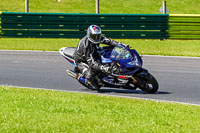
(127, 91)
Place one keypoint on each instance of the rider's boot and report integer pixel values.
(92, 83)
(99, 82)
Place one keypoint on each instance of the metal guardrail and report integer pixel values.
(64, 25)
(184, 26)
(121, 26)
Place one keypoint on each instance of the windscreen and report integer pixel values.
(120, 52)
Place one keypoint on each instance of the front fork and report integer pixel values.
(139, 74)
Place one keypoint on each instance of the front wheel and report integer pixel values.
(148, 84)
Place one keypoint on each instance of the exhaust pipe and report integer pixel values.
(72, 74)
(75, 75)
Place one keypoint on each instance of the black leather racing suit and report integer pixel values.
(86, 54)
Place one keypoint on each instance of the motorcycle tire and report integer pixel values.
(89, 86)
(149, 84)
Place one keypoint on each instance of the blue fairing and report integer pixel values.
(135, 54)
(127, 58)
(105, 60)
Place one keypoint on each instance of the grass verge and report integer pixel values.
(147, 47)
(106, 6)
(32, 110)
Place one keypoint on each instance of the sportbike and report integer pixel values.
(126, 69)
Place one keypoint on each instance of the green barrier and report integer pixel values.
(71, 25)
(123, 26)
(184, 26)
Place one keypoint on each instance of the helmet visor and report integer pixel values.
(96, 37)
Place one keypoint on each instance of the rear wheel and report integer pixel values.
(148, 84)
(90, 86)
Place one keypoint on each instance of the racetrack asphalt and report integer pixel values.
(178, 77)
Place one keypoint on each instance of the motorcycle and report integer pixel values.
(126, 69)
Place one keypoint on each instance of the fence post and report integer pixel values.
(164, 7)
(97, 6)
(0, 24)
(26, 6)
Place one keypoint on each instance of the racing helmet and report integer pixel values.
(94, 34)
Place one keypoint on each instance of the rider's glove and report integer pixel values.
(105, 69)
(125, 45)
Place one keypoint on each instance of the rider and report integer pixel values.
(86, 54)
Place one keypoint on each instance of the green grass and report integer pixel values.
(150, 47)
(155, 47)
(106, 6)
(28, 110)
(36, 44)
